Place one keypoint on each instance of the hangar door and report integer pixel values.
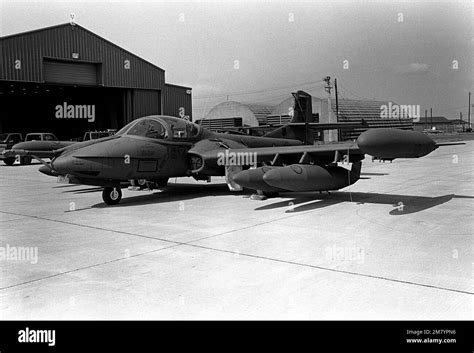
(70, 73)
(146, 102)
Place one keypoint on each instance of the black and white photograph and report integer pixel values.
(237, 161)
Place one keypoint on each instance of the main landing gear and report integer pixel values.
(112, 195)
(25, 160)
(263, 195)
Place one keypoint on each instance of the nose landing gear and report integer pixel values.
(112, 195)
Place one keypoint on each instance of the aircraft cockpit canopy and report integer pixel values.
(161, 127)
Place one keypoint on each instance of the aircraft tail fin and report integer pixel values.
(302, 117)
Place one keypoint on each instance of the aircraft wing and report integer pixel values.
(319, 154)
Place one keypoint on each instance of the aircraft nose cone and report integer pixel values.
(62, 165)
(48, 171)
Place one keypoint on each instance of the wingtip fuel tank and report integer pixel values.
(389, 143)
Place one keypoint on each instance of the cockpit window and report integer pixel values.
(123, 130)
(161, 127)
(148, 128)
(181, 128)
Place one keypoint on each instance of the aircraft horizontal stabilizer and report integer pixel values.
(329, 126)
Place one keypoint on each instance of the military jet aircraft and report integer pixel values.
(150, 150)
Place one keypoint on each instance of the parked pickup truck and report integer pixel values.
(38, 144)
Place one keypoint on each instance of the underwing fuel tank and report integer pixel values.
(253, 179)
(387, 143)
(306, 177)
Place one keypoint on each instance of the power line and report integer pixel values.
(347, 90)
(258, 91)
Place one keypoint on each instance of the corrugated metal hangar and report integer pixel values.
(67, 80)
(227, 113)
(224, 113)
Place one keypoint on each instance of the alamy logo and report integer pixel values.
(70, 111)
(236, 158)
(37, 336)
(396, 111)
(340, 253)
(19, 253)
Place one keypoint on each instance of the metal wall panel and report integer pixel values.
(177, 101)
(22, 56)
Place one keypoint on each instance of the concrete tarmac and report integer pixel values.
(395, 245)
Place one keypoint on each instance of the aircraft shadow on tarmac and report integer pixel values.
(402, 204)
(174, 192)
(374, 174)
(302, 201)
(85, 191)
(16, 164)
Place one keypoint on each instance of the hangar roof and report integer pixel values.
(61, 42)
(260, 111)
(251, 114)
(82, 28)
(357, 109)
(435, 119)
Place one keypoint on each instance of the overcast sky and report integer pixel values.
(405, 52)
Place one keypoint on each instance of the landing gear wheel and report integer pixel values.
(25, 160)
(112, 195)
(161, 183)
(9, 160)
(258, 197)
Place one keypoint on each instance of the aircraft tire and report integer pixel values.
(25, 160)
(9, 161)
(112, 195)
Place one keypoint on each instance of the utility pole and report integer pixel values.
(461, 122)
(426, 118)
(469, 111)
(339, 132)
(431, 120)
(329, 135)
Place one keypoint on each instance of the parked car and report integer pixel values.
(7, 141)
(93, 135)
(39, 144)
(41, 136)
(432, 131)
